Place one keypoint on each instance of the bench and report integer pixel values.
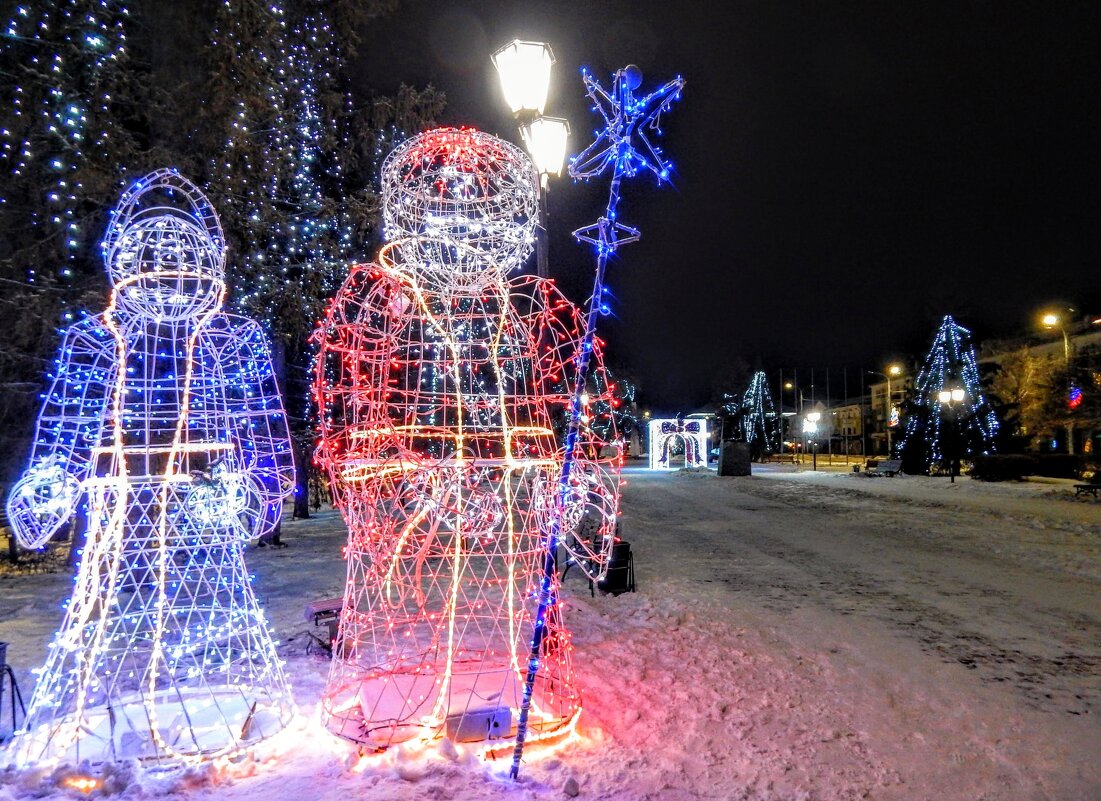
(887, 467)
(326, 613)
(1091, 486)
(779, 457)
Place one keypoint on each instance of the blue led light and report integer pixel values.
(621, 149)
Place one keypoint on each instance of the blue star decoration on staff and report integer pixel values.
(623, 147)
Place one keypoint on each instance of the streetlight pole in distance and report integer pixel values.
(892, 370)
(952, 398)
(524, 69)
(810, 426)
(1052, 320)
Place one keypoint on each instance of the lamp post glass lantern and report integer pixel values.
(952, 398)
(545, 139)
(524, 69)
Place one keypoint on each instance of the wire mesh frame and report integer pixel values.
(441, 415)
(164, 430)
(462, 206)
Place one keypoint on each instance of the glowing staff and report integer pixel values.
(623, 148)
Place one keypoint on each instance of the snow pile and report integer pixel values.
(796, 635)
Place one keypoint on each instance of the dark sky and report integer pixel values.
(846, 173)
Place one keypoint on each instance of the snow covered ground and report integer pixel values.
(820, 636)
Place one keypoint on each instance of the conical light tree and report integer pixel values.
(948, 402)
(759, 421)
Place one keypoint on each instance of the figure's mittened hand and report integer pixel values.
(40, 503)
(261, 511)
(588, 512)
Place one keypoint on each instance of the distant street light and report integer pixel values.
(892, 370)
(810, 426)
(1051, 320)
(952, 398)
(524, 69)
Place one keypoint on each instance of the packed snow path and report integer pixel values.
(795, 635)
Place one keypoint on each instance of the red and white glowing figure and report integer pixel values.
(165, 426)
(442, 384)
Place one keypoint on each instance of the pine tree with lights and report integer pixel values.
(291, 175)
(614, 413)
(941, 426)
(758, 419)
(72, 105)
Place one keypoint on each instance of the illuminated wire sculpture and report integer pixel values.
(442, 384)
(164, 430)
(692, 434)
(623, 148)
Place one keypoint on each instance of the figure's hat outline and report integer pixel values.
(164, 205)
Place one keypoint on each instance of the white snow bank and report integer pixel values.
(795, 635)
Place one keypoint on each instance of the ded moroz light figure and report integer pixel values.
(164, 425)
(443, 385)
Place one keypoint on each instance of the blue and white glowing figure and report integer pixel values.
(163, 429)
(622, 149)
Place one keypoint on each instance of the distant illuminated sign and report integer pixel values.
(894, 417)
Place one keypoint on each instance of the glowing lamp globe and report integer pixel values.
(545, 138)
(525, 70)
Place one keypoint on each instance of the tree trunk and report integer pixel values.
(301, 483)
(78, 535)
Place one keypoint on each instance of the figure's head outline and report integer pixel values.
(164, 248)
(463, 205)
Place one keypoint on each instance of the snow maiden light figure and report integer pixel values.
(444, 386)
(165, 424)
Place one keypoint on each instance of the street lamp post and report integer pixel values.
(1054, 321)
(952, 398)
(524, 69)
(892, 370)
(810, 426)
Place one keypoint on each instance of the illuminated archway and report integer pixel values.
(664, 432)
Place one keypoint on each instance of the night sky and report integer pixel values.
(845, 173)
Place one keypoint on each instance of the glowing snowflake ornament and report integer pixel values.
(622, 148)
